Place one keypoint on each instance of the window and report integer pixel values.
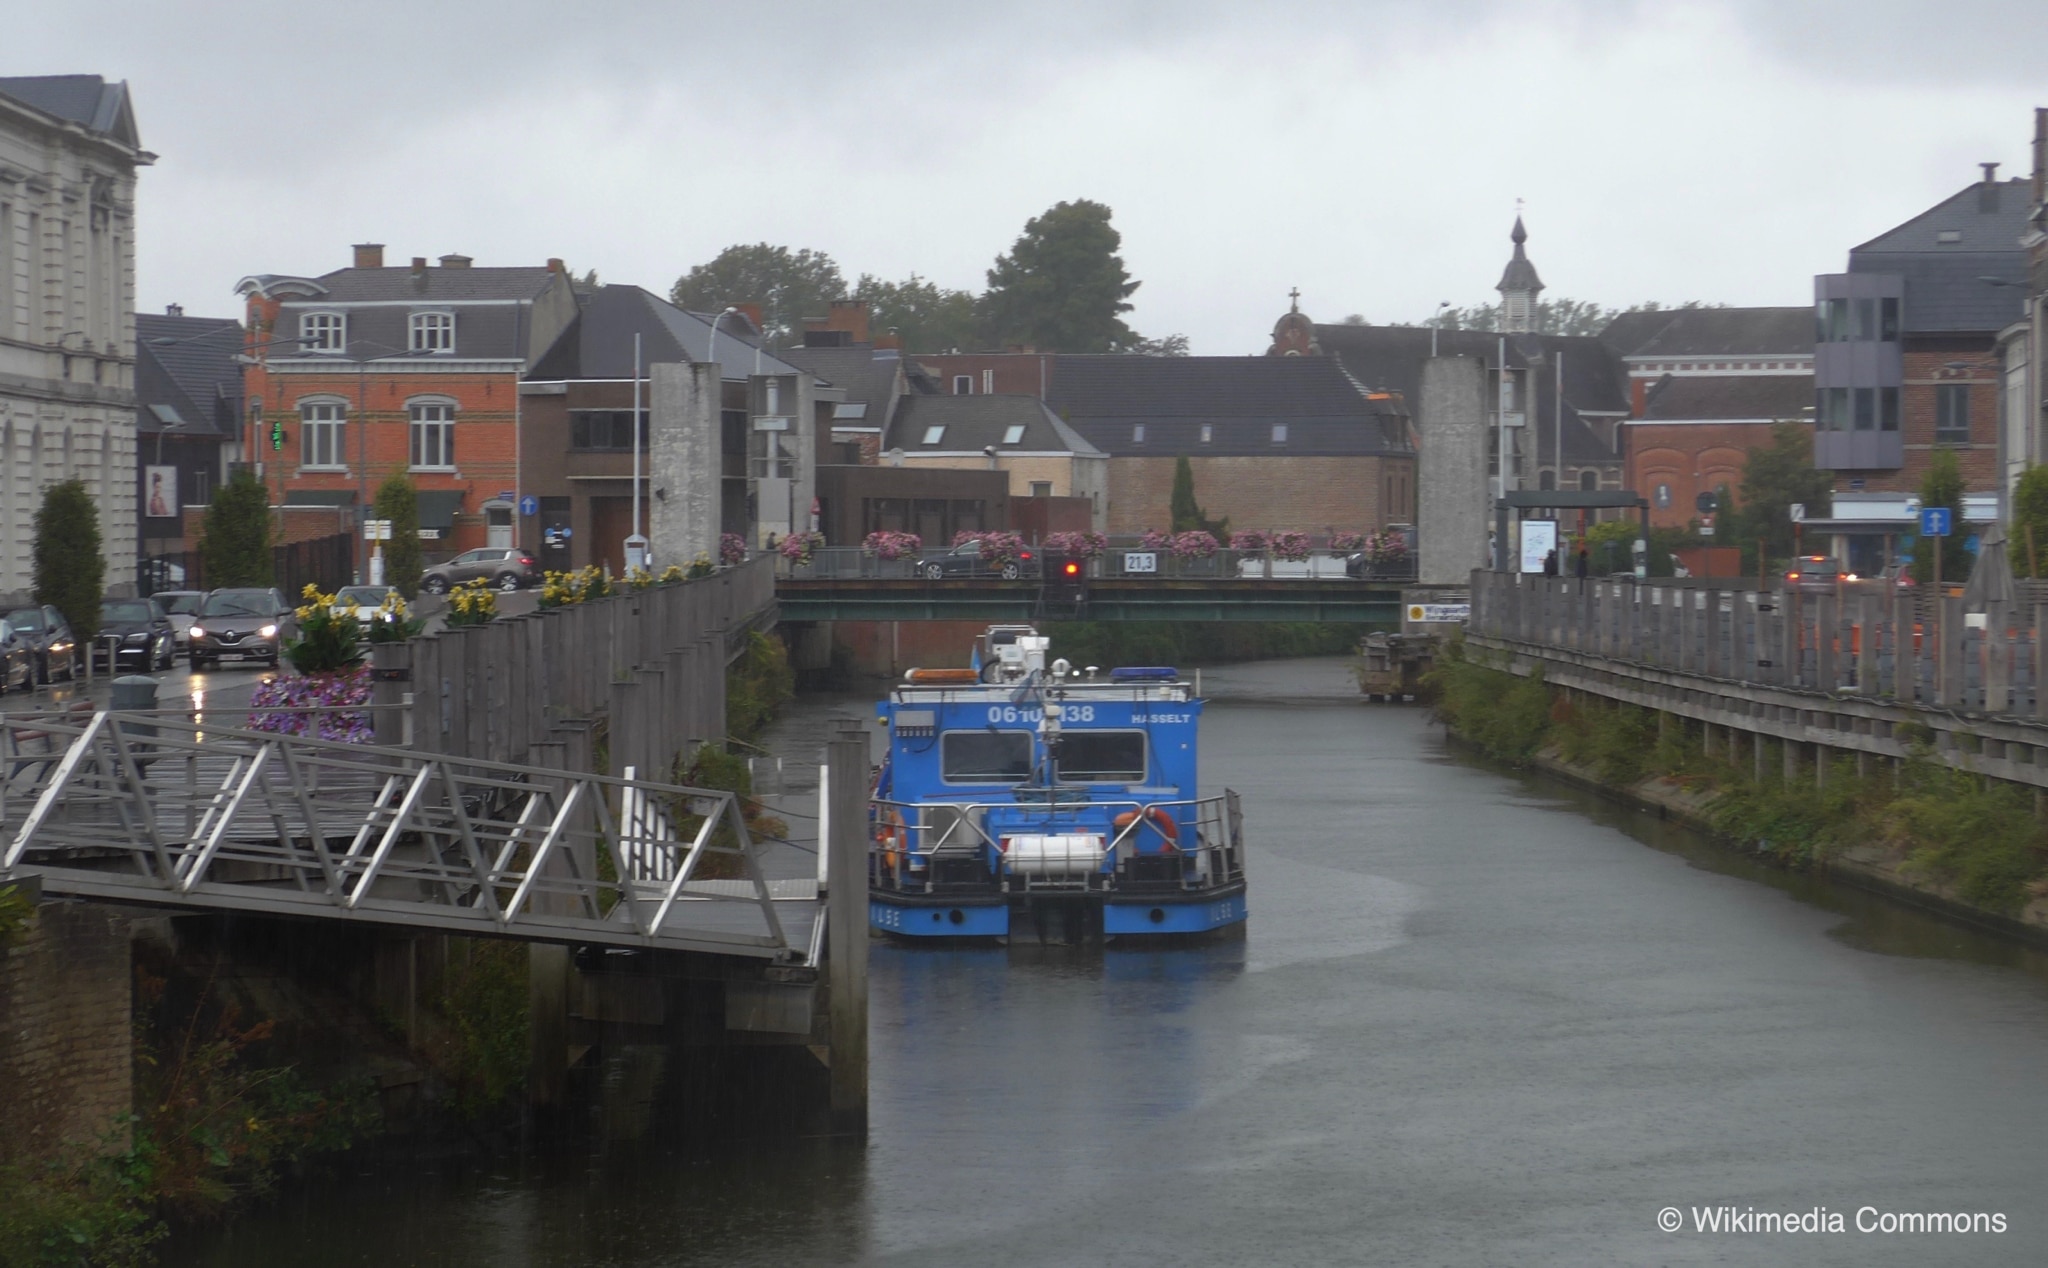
(988, 381)
(849, 411)
(323, 332)
(1208, 433)
(963, 385)
(1887, 409)
(934, 433)
(1866, 409)
(1589, 481)
(980, 757)
(320, 434)
(1952, 414)
(1279, 433)
(609, 429)
(1013, 434)
(1103, 757)
(1137, 433)
(1041, 488)
(1888, 325)
(433, 332)
(433, 434)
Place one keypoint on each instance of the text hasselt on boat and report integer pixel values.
(1018, 793)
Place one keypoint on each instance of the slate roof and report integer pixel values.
(87, 100)
(1240, 398)
(1712, 332)
(868, 374)
(1520, 275)
(598, 343)
(975, 422)
(1781, 396)
(1943, 293)
(431, 284)
(198, 376)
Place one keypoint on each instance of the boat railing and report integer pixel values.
(1207, 830)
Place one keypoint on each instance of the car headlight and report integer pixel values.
(196, 631)
(137, 638)
(268, 631)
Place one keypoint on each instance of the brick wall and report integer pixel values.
(65, 1047)
(1926, 371)
(1309, 494)
(1688, 459)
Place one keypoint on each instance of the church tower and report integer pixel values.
(1519, 286)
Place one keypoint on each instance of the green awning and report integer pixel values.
(438, 508)
(319, 497)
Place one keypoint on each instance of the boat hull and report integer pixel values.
(1067, 916)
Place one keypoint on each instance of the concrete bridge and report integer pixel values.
(1339, 599)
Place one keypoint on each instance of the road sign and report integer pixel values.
(376, 530)
(1141, 561)
(1798, 512)
(529, 505)
(506, 495)
(1439, 613)
(1935, 521)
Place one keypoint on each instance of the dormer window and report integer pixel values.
(1208, 433)
(433, 332)
(1279, 433)
(1137, 433)
(323, 332)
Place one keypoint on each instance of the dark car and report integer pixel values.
(247, 624)
(17, 661)
(965, 560)
(147, 638)
(1816, 574)
(50, 640)
(505, 567)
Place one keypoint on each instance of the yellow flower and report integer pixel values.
(310, 592)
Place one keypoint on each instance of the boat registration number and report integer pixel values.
(1011, 713)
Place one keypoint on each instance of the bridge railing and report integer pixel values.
(1871, 639)
(1129, 561)
(174, 812)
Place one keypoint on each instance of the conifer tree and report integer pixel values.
(69, 571)
(236, 545)
(398, 501)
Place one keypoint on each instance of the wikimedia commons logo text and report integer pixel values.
(1821, 1219)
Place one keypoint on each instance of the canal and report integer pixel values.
(1479, 1018)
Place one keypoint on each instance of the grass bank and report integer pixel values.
(1924, 829)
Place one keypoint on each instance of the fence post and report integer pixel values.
(846, 928)
(1827, 628)
(390, 682)
(1948, 680)
(1997, 672)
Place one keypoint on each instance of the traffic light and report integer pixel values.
(1063, 582)
(277, 433)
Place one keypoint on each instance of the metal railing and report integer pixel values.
(1206, 832)
(1128, 561)
(171, 811)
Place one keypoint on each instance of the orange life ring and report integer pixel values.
(1161, 822)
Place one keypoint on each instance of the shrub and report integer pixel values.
(236, 545)
(69, 571)
(329, 637)
(398, 501)
(1504, 715)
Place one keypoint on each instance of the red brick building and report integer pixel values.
(369, 371)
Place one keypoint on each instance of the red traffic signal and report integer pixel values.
(1070, 568)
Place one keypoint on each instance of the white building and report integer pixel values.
(68, 154)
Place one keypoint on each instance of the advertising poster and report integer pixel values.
(1539, 538)
(160, 492)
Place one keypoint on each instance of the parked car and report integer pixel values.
(368, 600)
(965, 560)
(1816, 574)
(50, 639)
(182, 606)
(505, 567)
(147, 639)
(251, 624)
(17, 661)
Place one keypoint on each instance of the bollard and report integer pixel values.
(136, 693)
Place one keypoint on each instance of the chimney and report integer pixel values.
(753, 314)
(850, 315)
(369, 255)
(419, 266)
(555, 264)
(174, 310)
(1987, 193)
(455, 261)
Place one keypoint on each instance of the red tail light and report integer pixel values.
(528, 560)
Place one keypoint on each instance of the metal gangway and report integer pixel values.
(174, 811)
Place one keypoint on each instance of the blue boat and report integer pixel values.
(1026, 797)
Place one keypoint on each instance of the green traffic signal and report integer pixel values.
(277, 435)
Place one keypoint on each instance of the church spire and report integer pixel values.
(1519, 286)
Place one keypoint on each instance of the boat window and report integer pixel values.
(975, 757)
(1103, 757)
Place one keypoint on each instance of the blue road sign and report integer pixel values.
(1934, 521)
(529, 505)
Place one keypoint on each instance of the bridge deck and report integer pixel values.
(1122, 599)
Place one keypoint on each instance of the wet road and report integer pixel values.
(1477, 1020)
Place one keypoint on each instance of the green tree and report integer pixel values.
(1942, 485)
(926, 316)
(2029, 546)
(398, 501)
(1187, 513)
(1560, 316)
(1062, 287)
(788, 285)
(69, 571)
(1170, 346)
(236, 544)
(1774, 478)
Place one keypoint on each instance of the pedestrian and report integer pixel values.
(1550, 562)
(1582, 563)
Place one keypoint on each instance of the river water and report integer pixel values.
(1477, 1019)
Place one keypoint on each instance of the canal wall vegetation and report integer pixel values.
(1922, 828)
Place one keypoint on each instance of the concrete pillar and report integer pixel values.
(685, 462)
(1453, 501)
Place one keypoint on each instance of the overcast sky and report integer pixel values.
(1370, 153)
